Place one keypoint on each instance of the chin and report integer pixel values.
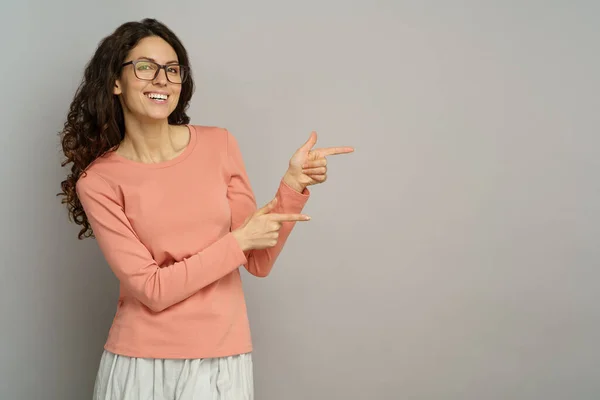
(155, 115)
(159, 117)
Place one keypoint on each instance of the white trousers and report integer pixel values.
(126, 378)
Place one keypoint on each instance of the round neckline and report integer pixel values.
(163, 164)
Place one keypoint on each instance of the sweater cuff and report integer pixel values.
(235, 248)
(289, 200)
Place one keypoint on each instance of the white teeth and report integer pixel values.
(157, 96)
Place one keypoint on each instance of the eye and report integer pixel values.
(145, 66)
(173, 69)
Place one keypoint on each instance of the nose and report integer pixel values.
(161, 77)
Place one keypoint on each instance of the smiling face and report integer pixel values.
(148, 100)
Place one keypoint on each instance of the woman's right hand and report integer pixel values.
(261, 229)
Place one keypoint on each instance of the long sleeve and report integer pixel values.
(242, 203)
(157, 287)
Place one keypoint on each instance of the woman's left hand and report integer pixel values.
(308, 166)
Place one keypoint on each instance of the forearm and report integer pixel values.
(289, 200)
(161, 287)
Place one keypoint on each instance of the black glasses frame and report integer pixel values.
(183, 70)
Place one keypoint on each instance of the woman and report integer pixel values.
(171, 207)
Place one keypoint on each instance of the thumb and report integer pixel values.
(312, 140)
(267, 208)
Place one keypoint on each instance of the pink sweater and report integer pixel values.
(165, 231)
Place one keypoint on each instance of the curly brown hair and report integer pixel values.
(95, 124)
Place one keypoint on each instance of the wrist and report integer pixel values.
(239, 237)
(293, 183)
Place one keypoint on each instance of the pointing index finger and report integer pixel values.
(331, 151)
(289, 217)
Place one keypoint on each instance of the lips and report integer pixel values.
(157, 97)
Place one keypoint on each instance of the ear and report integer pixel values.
(117, 89)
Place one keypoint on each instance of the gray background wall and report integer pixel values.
(455, 255)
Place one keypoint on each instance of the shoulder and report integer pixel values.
(95, 181)
(101, 169)
(92, 183)
(216, 137)
(211, 132)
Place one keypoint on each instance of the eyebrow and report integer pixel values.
(153, 60)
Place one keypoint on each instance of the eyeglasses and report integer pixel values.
(149, 70)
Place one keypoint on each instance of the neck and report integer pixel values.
(149, 142)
